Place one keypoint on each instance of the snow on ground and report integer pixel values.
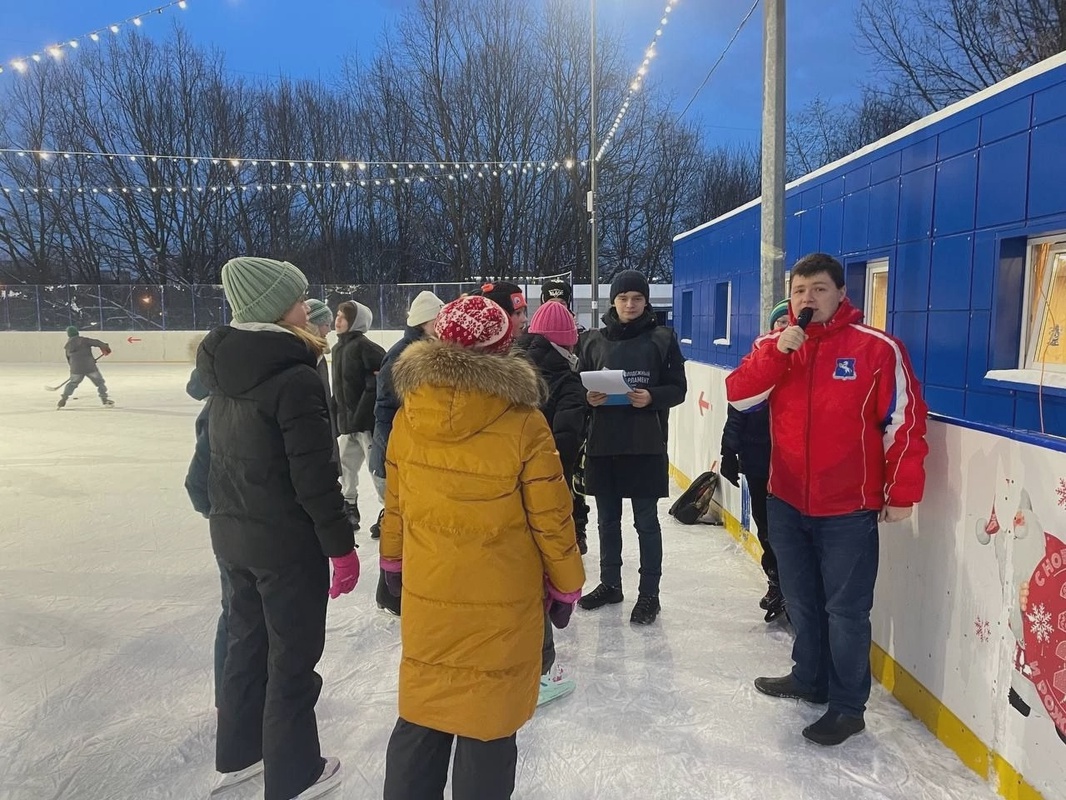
(109, 596)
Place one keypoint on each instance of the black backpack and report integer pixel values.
(698, 501)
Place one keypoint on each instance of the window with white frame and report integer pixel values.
(1044, 315)
(875, 304)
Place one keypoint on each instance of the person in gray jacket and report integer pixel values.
(79, 352)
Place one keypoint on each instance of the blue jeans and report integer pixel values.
(827, 567)
(649, 537)
(221, 634)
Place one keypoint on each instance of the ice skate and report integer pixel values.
(62, 402)
(554, 686)
(230, 779)
(327, 782)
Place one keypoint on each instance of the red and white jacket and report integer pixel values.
(847, 418)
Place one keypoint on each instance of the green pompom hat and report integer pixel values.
(318, 313)
(780, 310)
(71, 331)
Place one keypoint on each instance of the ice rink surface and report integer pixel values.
(109, 596)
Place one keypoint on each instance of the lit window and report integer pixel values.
(876, 300)
(1044, 342)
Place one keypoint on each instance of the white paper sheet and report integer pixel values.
(607, 381)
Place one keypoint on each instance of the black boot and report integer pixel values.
(351, 511)
(602, 595)
(833, 728)
(775, 606)
(375, 529)
(786, 687)
(384, 598)
(582, 543)
(646, 610)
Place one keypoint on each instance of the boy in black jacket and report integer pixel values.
(626, 448)
(79, 352)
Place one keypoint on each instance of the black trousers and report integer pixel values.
(757, 492)
(547, 650)
(266, 711)
(416, 765)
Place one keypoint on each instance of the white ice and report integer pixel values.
(109, 596)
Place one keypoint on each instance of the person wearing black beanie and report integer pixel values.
(626, 453)
(559, 291)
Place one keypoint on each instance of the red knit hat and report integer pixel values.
(475, 322)
(555, 323)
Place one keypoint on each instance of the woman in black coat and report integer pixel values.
(625, 454)
(277, 520)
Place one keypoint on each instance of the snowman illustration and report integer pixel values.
(1030, 545)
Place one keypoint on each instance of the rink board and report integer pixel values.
(944, 641)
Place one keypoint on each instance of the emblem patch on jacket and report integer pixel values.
(845, 370)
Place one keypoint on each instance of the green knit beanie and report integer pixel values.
(319, 313)
(261, 289)
(72, 331)
(780, 310)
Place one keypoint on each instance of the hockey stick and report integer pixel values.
(64, 383)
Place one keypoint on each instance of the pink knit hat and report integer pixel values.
(555, 323)
(475, 322)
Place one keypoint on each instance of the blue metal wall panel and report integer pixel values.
(946, 348)
(858, 177)
(920, 154)
(910, 327)
(1047, 169)
(949, 282)
(884, 212)
(916, 193)
(1009, 119)
(951, 402)
(810, 231)
(960, 139)
(910, 275)
(832, 226)
(885, 167)
(992, 409)
(984, 269)
(1027, 413)
(956, 195)
(1001, 184)
(1007, 289)
(1049, 104)
(977, 354)
(856, 234)
(793, 237)
(832, 189)
(812, 198)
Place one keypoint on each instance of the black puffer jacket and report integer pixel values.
(565, 409)
(387, 402)
(356, 361)
(748, 435)
(625, 454)
(274, 492)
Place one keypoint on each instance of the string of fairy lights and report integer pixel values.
(638, 79)
(57, 51)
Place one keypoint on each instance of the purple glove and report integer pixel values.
(393, 575)
(345, 574)
(560, 605)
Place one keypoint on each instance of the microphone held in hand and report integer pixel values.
(804, 317)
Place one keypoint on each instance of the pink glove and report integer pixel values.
(345, 574)
(559, 605)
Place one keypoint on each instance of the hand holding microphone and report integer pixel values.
(793, 337)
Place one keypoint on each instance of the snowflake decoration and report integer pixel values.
(982, 629)
(1060, 490)
(1040, 623)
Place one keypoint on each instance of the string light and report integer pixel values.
(395, 167)
(56, 51)
(638, 79)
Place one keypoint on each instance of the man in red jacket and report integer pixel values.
(847, 422)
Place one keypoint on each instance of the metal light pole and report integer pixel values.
(772, 205)
(594, 270)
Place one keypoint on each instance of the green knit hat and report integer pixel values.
(72, 331)
(319, 313)
(261, 289)
(780, 310)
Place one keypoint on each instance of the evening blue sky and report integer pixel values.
(311, 37)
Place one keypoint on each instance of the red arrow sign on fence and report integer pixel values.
(132, 339)
(704, 405)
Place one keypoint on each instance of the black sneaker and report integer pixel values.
(786, 687)
(375, 529)
(833, 728)
(646, 610)
(602, 595)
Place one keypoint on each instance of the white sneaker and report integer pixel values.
(327, 782)
(552, 688)
(230, 779)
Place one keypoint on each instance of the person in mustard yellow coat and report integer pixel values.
(478, 536)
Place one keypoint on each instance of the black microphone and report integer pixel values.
(804, 318)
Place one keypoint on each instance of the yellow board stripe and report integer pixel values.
(925, 706)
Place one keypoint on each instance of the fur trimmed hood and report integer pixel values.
(451, 392)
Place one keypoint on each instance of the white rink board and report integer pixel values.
(944, 601)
